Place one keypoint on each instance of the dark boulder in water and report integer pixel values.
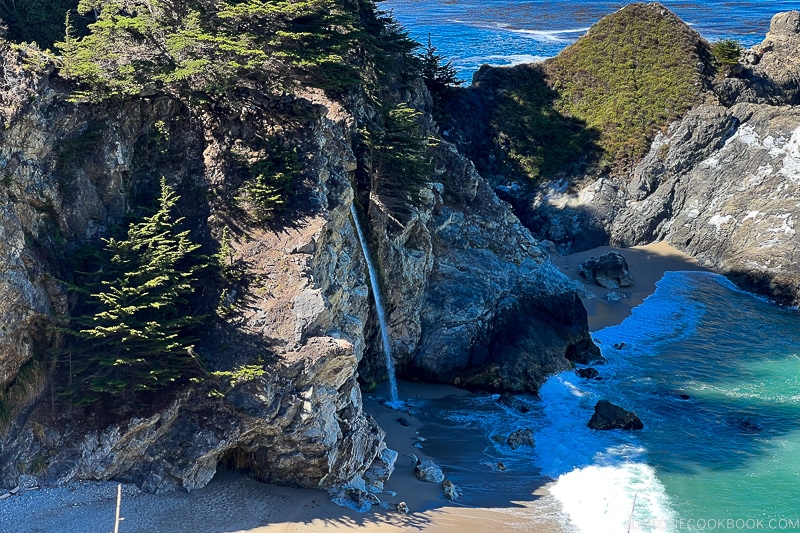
(521, 437)
(588, 373)
(609, 270)
(512, 402)
(748, 425)
(609, 416)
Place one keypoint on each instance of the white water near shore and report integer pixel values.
(712, 372)
(596, 474)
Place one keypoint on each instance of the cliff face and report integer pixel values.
(473, 293)
(471, 297)
(727, 194)
(71, 170)
(721, 183)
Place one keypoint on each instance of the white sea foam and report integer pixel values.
(598, 473)
(601, 498)
(510, 60)
(550, 36)
(665, 316)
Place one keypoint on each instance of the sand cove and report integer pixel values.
(234, 503)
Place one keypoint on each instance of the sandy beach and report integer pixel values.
(647, 265)
(234, 503)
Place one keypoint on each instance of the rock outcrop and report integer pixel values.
(721, 184)
(610, 416)
(472, 299)
(727, 193)
(426, 470)
(610, 270)
(520, 437)
(771, 70)
(495, 313)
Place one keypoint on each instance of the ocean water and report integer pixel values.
(506, 32)
(714, 374)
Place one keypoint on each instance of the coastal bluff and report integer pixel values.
(719, 179)
(288, 335)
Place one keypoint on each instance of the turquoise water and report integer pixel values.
(714, 374)
(505, 32)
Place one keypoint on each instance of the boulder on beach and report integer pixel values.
(427, 470)
(354, 498)
(609, 416)
(609, 270)
(380, 470)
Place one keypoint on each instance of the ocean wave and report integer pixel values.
(627, 497)
(547, 36)
(509, 60)
(668, 315)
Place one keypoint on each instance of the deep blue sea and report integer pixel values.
(504, 32)
(714, 374)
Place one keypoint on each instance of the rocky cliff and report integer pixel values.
(471, 296)
(721, 183)
(71, 171)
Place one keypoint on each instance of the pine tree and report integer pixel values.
(438, 73)
(136, 339)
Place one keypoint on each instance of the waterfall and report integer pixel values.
(376, 293)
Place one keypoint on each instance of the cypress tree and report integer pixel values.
(136, 339)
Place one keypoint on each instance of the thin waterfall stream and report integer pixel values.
(376, 293)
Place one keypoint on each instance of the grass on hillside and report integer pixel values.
(601, 101)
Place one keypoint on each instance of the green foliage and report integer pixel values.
(538, 139)
(397, 155)
(242, 374)
(227, 264)
(268, 188)
(39, 21)
(139, 46)
(599, 103)
(630, 76)
(727, 51)
(136, 336)
(387, 50)
(438, 73)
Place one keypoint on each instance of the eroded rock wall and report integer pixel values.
(722, 183)
(472, 298)
(71, 170)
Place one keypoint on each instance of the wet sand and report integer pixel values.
(235, 503)
(647, 265)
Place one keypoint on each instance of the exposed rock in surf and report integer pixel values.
(588, 373)
(520, 437)
(609, 416)
(451, 491)
(512, 402)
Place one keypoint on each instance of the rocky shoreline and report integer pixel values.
(478, 294)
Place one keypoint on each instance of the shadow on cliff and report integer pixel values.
(507, 123)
